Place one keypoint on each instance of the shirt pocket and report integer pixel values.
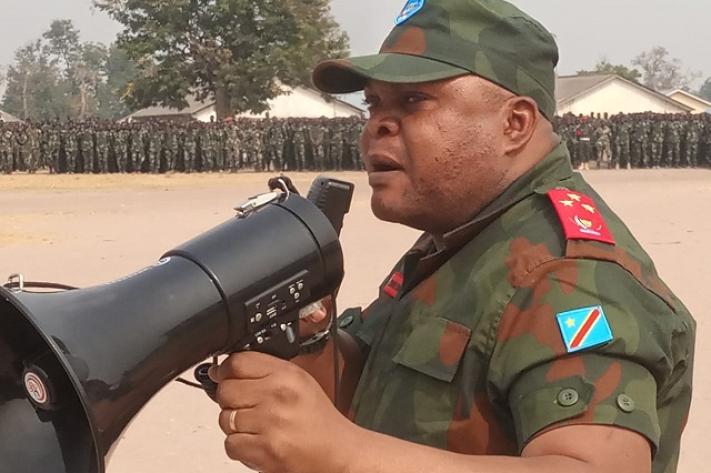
(435, 348)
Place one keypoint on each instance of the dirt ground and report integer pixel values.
(83, 230)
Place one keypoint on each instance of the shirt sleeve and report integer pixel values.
(583, 342)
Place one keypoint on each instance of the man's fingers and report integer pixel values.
(246, 365)
(240, 421)
(239, 393)
(245, 448)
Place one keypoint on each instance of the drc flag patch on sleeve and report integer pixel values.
(584, 328)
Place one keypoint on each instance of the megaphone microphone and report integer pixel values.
(77, 366)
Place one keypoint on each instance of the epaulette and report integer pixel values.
(579, 216)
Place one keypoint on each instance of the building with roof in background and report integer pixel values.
(296, 102)
(698, 104)
(611, 94)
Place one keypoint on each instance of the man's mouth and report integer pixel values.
(382, 163)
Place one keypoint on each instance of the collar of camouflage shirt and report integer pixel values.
(425, 257)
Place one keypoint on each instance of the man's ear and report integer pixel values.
(519, 123)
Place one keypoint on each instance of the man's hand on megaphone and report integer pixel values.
(315, 317)
(277, 418)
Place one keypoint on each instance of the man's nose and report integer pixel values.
(380, 125)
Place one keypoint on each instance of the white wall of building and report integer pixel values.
(206, 114)
(306, 103)
(696, 105)
(615, 97)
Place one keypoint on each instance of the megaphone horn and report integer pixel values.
(77, 366)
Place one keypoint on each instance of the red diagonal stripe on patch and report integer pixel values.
(394, 284)
(587, 325)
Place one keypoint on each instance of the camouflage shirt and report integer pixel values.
(465, 351)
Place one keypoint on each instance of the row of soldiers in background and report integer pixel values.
(292, 144)
(640, 140)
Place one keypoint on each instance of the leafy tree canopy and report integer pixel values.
(235, 51)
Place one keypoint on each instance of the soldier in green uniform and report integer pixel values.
(6, 144)
(103, 141)
(136, 147)
(353, 138)
(190, 147)
(154, 141)
(317, 135)
(121, 139)
(53, 137)
(86, 146)
(525, 331)
(32, 160)
(705, 159)
(693, 135)
(673, 141)
(71, 148)
(603, 138)
(22, 147)
(656, 141)
(299, 138)
(638, 141)
(334, 160)
(622, 143)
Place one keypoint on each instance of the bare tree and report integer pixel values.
(662, 72)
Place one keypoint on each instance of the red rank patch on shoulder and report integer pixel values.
(394, 284)
(579, 216)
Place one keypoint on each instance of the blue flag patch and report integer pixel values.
(409, 10)
(584, 328)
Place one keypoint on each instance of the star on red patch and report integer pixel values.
(579, 216)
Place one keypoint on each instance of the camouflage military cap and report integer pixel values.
(439, 39)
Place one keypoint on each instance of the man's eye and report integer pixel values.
(411, 99)
(369, 102)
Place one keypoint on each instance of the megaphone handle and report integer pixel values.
(201, 374)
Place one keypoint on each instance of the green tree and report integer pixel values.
(606, 67)
(236, 52)
(119, 71)
(62, 45)
(34, 88)
(59, 76)
(705, 90)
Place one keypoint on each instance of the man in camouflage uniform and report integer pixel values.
(6, 144)
(317, 135)
(603, 137)
(334, 160)
(299, 139)
(32, 161)
(136, 147)
(190, 147)
(693, 135)
(705, 159)
(154, 141)
(622, 143)
(22, 147)
(525, 331)
(121, 137)
(53, 138)
(71, 148)
(657, 141)
(639, 141)
(86, 145)
(103, 142)
(673, 141)
(353, 138)
(276, 146)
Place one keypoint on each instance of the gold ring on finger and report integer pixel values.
(233, 421)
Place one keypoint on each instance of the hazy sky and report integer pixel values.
(586, 30)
